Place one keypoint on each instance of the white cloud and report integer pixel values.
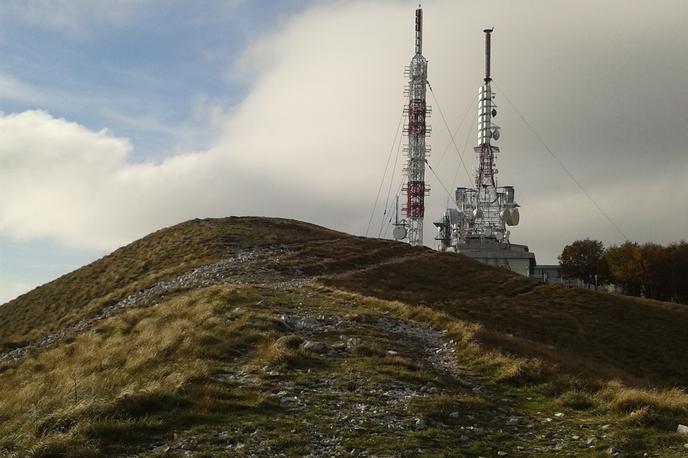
(310, 139)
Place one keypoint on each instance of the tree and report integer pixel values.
(625, 266)
(656, 274)
(678, 276)
(583, 260)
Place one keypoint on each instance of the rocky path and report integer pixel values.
(374, 384)
(232, 269)
(379, 384)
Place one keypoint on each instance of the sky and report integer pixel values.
(140, 114)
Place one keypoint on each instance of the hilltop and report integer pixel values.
(241, 336)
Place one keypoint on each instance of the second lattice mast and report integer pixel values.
(417, 131)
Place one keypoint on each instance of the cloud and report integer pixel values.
(310, 138)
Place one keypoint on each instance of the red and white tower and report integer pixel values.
(416, 131)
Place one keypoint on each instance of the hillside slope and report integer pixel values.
(242, 336)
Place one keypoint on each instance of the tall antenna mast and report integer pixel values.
(485, 175)
(416, 148)
(483, 212)
(477, 226)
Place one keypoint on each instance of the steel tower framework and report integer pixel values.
(482, 213)
(416, 130)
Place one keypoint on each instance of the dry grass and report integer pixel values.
(130, 367)
(579, 332)
(160, 255)
(136, 373)
(661, 409)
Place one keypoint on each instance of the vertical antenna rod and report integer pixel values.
(419, 30)
(488, 37)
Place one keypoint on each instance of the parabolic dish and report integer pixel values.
(399, 232)
(515, 217)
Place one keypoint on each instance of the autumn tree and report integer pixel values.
(583, 260)
(625, 266)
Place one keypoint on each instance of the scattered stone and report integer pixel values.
(163, 449)
(607, 426)
(682, 429)
(591, 440)
(501, 453)
(392, 352)
(454, 415)
(559, 414)
(352, 343)
(315, 347)
(200, 277)
(613, 451)
(420, 423)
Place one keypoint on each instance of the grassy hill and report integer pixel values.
(241, 336)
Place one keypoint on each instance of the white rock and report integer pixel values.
(682, 429)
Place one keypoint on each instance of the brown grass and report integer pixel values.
(133, 366)
(160, 255)
(661, 409)
(577, 331)
(115, 380)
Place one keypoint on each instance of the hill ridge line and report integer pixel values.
(209, 276)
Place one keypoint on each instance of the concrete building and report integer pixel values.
(516, 258)
(550, 273)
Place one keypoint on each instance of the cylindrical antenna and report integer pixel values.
(419, 30)
(487, 54)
